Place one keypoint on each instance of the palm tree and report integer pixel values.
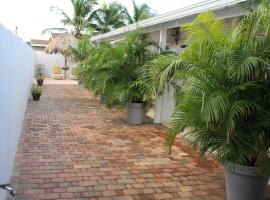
(113, 69)
(109, 17)
(224, 108)
(140, 12)
(82, 10)
(81, 51)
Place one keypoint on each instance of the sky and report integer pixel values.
(32, 16)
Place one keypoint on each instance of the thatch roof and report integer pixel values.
(61, 43)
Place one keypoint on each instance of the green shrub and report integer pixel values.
(113, 69)
(36, 90)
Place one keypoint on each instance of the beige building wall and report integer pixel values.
(154, 36)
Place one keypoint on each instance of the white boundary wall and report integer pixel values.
(50, 60)
(16, 77)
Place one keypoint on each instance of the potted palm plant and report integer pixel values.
(224, 108)
(40, 79)
(36, 92)
(112, 71)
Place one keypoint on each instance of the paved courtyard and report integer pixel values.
(74, 148)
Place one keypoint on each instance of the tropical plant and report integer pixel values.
(140, 12)
(36, 90)
(113, 69)
(40, 79)
(109, 17)
(80, 21)
(93, 70)
(225, 107)
(81, 51)
(39, 69)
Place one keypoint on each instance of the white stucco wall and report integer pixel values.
(154, 37)
(50, 60)
(16, 77)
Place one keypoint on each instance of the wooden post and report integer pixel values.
(65, 69)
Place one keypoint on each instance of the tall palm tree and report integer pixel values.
(110, 16)
(82, 49)
(82, 12)
(140, 12)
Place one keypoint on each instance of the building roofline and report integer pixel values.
(38, 43)
(169, 16)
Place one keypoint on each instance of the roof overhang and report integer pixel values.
(176, 15)
(38, 45)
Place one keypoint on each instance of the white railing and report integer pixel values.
(16, 77)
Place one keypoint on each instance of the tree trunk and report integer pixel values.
(65, 70)
(65, 62)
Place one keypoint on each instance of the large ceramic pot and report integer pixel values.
(136, 113)
(244, 183)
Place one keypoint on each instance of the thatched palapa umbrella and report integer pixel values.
(61, 44)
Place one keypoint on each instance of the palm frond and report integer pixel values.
(224, 107)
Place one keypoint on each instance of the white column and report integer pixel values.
(98, 43)
(163, 39)
(168, 104)
(159, 99)
(158, 109)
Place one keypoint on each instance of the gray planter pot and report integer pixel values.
(135, 113)
(243, 183)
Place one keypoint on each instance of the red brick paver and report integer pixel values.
(73, 148)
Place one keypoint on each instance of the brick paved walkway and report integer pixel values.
(73, 148)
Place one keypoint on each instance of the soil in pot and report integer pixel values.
(244, 183)
(136, 113)
(36, 97)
